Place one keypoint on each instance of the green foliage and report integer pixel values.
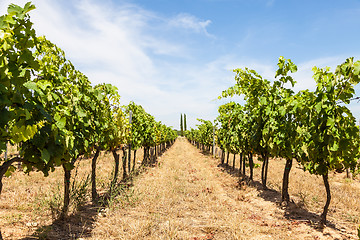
(230, 136)
(145, 131)
(138, 125)
(47, 105)
(330, 139)
(204, 133)
(50, 110)
(280, 129)
(310, 126)
(19, 121)
(315, 128)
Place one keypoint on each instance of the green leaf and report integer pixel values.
(3, 24)
(28, 7)
(14, 9)
(304, 148)
(31, 85)
(318, 107)
(293, 68)
(9, 19)
(27, 114)
(334, 147)
(44, 84)
(30, 131)
(26, 57)
(282, 110)
(45, 155)
(81, 113)
(330, 122)
(61, 123)
(357, 68)
(6, 45)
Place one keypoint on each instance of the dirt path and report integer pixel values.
(189, 197)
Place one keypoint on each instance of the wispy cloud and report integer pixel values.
(270, 3)
(111, 43)
(190, 22)
(148, 58)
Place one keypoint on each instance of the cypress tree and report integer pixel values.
(181, 125)
(184, 122)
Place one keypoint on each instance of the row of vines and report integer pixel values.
(315, 128)
(53, 115)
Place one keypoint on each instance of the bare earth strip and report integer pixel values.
(189, 197)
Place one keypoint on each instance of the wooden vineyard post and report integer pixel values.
(129, 158)
(213, 148)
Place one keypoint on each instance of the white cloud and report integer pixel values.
(111, 43)
(187, 21)
(119, 44)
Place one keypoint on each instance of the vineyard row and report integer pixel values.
(315, 128)
(53, 115)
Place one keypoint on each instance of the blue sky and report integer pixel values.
(176, 57)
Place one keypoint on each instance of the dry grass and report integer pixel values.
(181, 199)
(308, 193)
(187, 196)
(26, 199)
(309, 190)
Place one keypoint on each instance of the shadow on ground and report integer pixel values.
(81, 223)
(295, 212)
(78, 225)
